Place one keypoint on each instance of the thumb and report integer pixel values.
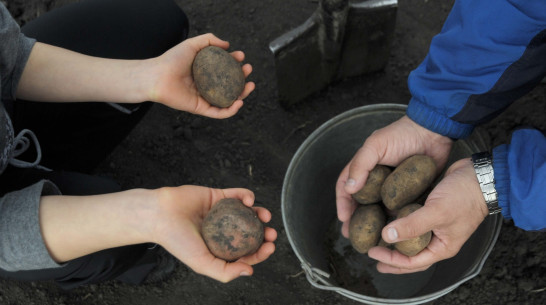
(205, 40)
(414, 225)
(365, 159)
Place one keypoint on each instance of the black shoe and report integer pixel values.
(166, 264)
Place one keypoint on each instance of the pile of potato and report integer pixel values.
(398, 191)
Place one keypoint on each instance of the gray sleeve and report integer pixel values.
(21, 244)
(14, 52)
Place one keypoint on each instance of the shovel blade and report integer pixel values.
(299, 63)
(368, 35)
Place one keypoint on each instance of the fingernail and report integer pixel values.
(392, 233)
(350, 182)
(244, 273)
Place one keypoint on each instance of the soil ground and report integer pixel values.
(253, 150)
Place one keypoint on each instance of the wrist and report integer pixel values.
(144, 80)
(140, 214)
(475, 189)
(427, 134)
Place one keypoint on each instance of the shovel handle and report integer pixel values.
(331, 6)
(333, 15)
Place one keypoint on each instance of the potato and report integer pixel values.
(365, 227)
(371, 191)
(232, 230)
(415, 245)
(384, 244)
(218, 77)
(408, 181)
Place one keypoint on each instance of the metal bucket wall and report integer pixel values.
(308, 207)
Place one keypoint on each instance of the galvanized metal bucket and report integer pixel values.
(308, 207)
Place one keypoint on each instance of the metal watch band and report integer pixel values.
(486, 177)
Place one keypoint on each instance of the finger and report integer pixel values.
(384, 268)
(263, 253)
(221, 270)
(263, 214)
(392, 261)
(421, 261)
(238, 55)
(415, 224)
(247, 69)
(365, 159)
(222, 113)
(344, 202)
(270, 234)
(345, 229)
(249, 87)
(245, 195)
(205, 40)
(265, 250)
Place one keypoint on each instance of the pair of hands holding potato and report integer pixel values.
(171, 83)
(181, 211)
(452, 211)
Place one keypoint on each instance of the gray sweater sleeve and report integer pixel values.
(21, 243)
(14, 52)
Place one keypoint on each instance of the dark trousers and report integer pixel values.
(77, 137)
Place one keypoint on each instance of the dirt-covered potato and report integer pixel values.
(218, 77)
(371, 191)
(365, 227)
(412, 246)
(408, 181)
(232, 230)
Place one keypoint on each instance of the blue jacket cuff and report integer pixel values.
(437, 122)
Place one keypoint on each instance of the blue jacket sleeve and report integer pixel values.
(488, 54)
(520, 179)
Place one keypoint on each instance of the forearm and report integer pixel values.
(74, 226)
(60, 75)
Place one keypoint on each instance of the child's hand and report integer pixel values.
(171, 81)
(178, 229)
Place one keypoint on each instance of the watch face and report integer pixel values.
(481, 157)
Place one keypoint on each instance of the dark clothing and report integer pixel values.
(79, 135)
(76, 137)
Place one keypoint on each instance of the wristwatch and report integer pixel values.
(486, 177)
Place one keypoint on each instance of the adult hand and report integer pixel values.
(387, 146)
(178, 230)
(173, 84)
(453, 211)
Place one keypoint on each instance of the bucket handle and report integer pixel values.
(316, 277)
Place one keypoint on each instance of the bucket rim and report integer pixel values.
(317, 277)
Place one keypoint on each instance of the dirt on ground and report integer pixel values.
(253, 150)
